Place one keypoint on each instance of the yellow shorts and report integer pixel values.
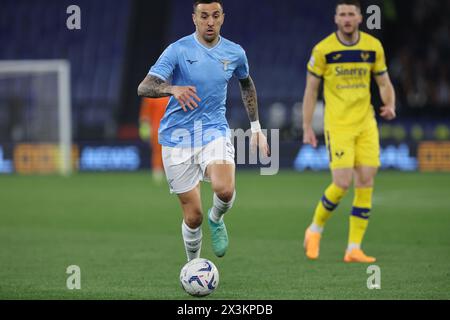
(353, 148)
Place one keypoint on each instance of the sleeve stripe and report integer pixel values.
(314, 74)
(245, 77)
(380, 73)
(157, 75)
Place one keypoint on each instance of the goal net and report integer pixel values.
(35, 114)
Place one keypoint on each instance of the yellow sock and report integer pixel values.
(359, 219)
(329, 202)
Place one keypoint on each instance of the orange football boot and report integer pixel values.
(312, 244)
(357, 255)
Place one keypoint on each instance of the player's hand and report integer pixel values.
(259, 140)
(186, 97)
(309, 137)
(388, 112)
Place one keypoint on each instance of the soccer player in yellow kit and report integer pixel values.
(345, 61)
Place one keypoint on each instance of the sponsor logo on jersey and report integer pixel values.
(355, 72)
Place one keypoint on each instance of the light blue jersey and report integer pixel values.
(188, 63)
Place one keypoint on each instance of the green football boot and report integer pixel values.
(219, 236)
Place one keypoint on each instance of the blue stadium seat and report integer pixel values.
(36, 29)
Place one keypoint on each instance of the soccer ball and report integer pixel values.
(199, 277)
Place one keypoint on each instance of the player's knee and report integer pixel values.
(365, 182)
(225, 193)
(344, 184)
(194, 219)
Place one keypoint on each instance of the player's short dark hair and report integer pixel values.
(197, 2)
(356, 3)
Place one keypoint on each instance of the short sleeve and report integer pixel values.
(164, 67)
(242, 71)
(379, 66)
(317, 63)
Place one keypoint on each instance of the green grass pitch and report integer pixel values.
(124, 233)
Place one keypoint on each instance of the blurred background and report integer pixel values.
(120, 40)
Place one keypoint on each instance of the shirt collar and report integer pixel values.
(205, 47)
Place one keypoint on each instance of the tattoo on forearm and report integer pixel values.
(249, 98)
(153, 87)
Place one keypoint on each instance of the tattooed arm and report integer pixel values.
(248, 92)
(154, 87)
(249, 97)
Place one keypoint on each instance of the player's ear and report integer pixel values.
(194, 19)
(360, 18)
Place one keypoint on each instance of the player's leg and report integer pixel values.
(362, 205)
(222, 183)
(219, 169)
(342, 179)
(359, 218)
(367, 163)
(192, 220)
(341, 154)
(183, 176)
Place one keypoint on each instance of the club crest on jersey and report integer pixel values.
(339, 154)
(225, 64)
(365, 56)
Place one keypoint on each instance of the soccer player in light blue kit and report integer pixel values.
(194, 132)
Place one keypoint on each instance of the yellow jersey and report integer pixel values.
(347, 71)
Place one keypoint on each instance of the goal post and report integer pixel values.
(61, 96)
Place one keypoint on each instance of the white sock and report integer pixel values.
(192, 241)
(219, 208)
(315, 228)
(352, 246)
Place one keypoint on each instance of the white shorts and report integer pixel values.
(186, 167)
